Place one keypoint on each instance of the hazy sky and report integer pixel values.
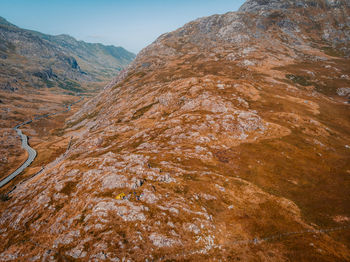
(132, 24)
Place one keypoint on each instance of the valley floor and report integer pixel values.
(18, 108)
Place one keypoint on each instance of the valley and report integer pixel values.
(24, 139)
(39, 130)
(40, 75)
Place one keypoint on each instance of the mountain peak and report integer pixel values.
(66, 36)
(99, 62)
(3, 21)
(254, 6)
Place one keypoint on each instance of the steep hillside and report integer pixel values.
(227, 139)
(39, 74)
(34, 60)
(102, 61)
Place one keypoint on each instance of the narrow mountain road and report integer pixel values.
(31, 152)
(31, 156)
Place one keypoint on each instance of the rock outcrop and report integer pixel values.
(39, 60)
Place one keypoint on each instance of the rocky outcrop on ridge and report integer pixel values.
(38, 60)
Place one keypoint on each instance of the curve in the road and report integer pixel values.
(31, 152)
(31, 156)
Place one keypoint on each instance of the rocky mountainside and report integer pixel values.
(227, 139)
(32, 59)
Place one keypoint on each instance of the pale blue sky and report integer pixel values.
(132, 24)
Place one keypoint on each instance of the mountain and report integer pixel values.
(39, 75)
(36, 60)
(227, 139)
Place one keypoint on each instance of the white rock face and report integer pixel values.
(234, 32)
(77, 252)
(125, 209)
(247, 62)
(255, 6)
(162, 241)
(345, 91)
(149, 197)
(67, 238)
(114, 181)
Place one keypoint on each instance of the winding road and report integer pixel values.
(31, 156)
(31, 152)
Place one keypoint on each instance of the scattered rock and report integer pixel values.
(162, 241)
(344, 91)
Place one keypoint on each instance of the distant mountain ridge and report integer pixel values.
(30, 58)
